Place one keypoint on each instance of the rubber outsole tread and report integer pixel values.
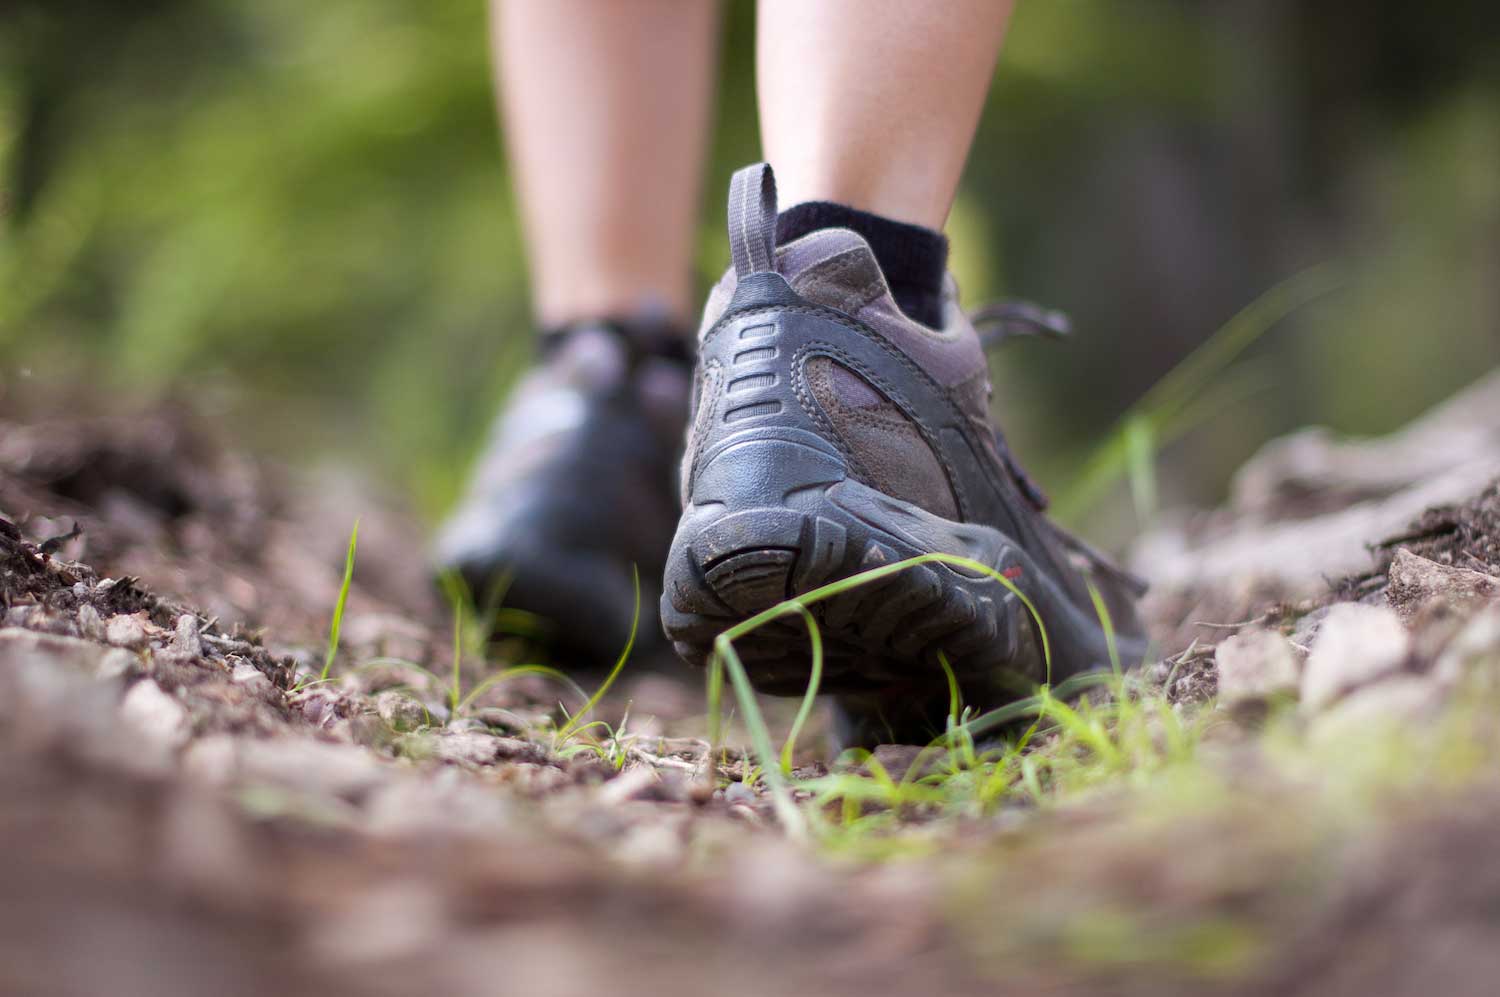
(890, 631)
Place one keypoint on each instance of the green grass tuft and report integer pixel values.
(338, 607)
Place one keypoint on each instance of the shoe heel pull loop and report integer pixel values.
(752, 220)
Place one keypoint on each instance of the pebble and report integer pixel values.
(400, 711)
(252, 678)
(1256, 665)
(475, 748)
(1475, 646)
(319, 705)
(1399, 699)
(628, 785)
(20, 616)
(185, 639)
(116, 662)
(1356, 645)
(90, 623)
(126, 630)
(738, 792)
(321, 768)
(30, 649)
(1415, 581)
(154, 714)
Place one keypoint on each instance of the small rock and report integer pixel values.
(1256, 665)
(464, 748)
(1398, 700)
(156, 716)
(1306, 630)
(90, 623)
(186, 640)
(20, 616)
(475, 748)
(251, 678)
(29, 649)
(738, 792)
(126, 630)
(1416, 581)
(1476, 646)
(320, 706)
(321, 768)
(400, 711)
(1356, 645)
(116, 662)
(631, 784)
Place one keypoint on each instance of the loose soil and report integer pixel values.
(183, 817)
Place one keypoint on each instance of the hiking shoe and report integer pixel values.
(575, 486)
(831, 435)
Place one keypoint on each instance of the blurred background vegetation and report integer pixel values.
(296, 216)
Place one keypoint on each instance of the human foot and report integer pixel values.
(574, 487)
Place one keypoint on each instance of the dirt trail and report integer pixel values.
(180, 819)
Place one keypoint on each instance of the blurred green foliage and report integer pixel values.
(297, 214)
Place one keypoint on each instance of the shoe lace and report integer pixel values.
(997, 324)
(1001, 321)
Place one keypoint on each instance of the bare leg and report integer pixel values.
(873, 103)
(606, 108)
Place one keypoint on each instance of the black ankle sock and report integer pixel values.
(912, 258)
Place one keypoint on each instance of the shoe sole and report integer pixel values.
(775, 517)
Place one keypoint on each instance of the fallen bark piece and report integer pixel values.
(1256, 665)
(1415, 581)
(1355, 646)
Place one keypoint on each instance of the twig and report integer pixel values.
(1230, 626)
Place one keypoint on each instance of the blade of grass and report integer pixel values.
(516, 672)
(454, 689)
(1106, 623)
(338, 607)
(1159, 409)
(609, 680)
(814, 680)
(1140, 452)
(760, 736)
